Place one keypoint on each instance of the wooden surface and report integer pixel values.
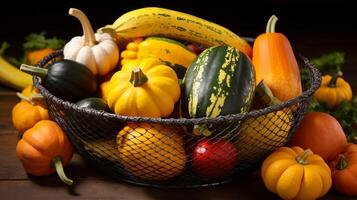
(91, 184)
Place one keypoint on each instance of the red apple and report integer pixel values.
(214, 158)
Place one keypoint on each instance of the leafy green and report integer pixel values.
(329, 63)
(39, 41)
(34, 41)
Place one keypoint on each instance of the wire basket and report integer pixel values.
(159, 152)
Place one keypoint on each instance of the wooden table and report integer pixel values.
(91, 184)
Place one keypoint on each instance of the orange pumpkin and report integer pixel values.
(45, 149)
(27, 113)
(274, 61)
(344, 171)
(321, 133)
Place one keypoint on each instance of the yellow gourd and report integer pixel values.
(333, 90)
(144, 88)
(151, 151)
(267, 132)
(131, 51)
(293, 173)
(170, 51)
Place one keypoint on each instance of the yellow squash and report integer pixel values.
(293, 173)
(131, 51)
(333, 90)
(144, 88)
(267, 132)
(150, 21)
(151, 151)
(12, 76)
(171, 52)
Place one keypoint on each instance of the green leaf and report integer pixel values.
(39, 41)
(329, 63)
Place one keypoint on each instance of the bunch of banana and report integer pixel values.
(151, 21)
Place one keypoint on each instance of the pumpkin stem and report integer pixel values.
(333, 81)
(38, 71)
(271, 24)
(57, 162)
(23, 97)
(138, 78)
(342, 162)
(265, 94)
(88, 33)
(301, 159)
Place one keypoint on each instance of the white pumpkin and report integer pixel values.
(98, 52)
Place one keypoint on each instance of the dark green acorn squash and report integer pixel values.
(93, 102)
(66, 79)
(220, 81)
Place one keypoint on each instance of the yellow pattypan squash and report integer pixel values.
(145, 88)
(293, 173)
(333, 90)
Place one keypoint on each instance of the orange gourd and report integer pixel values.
(27, 113)
(45, 149)
(274, 61)
(344, 171)
(293, 173)
(321, 133)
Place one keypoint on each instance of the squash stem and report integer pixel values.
(23, 97)
(138, 78)
(265, 94)
(342, 162)
(88, 33)
(57, 162)
(38, 71)
(302, 159)
(333, 81)
(36, 97)
(271, 24)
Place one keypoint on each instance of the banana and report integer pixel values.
(150, 21)
(13, 77)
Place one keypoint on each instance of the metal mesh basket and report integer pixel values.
(159, 152)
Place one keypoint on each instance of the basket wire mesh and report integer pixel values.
(159, 152)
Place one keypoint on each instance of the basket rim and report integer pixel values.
(315, 81)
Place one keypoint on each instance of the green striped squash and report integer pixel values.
(220, 81)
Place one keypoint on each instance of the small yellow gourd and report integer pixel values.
(333, 90)
(293, 173)
(145, 88)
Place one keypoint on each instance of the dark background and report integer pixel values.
(302, 21)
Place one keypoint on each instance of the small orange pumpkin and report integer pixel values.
(344, 171)
(27, 113)
(44, 149)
